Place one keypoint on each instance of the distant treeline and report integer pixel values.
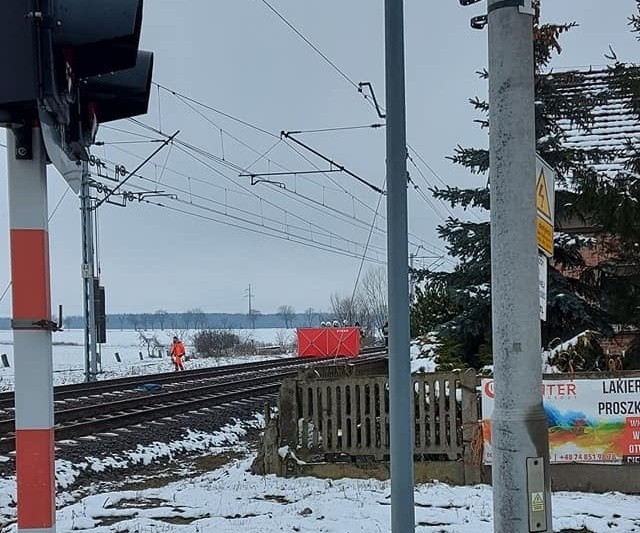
(194, 320)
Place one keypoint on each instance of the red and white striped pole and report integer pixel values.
(31, 324)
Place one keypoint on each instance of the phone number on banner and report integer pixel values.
(585, 457)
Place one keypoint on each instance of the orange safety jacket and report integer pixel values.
(177, 350)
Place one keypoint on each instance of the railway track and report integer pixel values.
(79, 390)
(198, 389)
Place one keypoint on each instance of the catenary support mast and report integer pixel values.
(521, 485)
(88, 278)
(400, 391)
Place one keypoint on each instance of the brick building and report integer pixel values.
(616, 131)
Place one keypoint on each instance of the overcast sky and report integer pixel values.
(297, 239)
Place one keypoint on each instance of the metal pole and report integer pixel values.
(88, 276)
(32, 326)
(400, 390)
(520, 472)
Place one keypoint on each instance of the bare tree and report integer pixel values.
(67, 321)
(287, 314)
(134, 320)
(343, 308)
(373, 291)
(122, 320)
(283, 339)
(188, 318)
(151, 343)
(368, 306)
(198, 317)
(146, 321)
(161, 317)
(310, 316)
(254, 315)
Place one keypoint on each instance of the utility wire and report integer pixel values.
(207, 154)
(342, 128)
(373, 221)
(260, 230)
(319, 229)
(358, 87)
(210, 108)
(53, 212)
(315, 48)
(295, 195)
(205, 106)
(185, 98)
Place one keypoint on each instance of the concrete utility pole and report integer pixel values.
(32, 326)
(400, 389)
(521, 482)
(88, 278)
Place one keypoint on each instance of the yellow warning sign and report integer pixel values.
(537, 502)
(542, 196)
(545, 236)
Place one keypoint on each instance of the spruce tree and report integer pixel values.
(456, 304)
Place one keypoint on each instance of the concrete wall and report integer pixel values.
(279, 453)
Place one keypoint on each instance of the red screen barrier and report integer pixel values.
(324, 342)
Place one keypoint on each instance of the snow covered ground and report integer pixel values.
(68, 353)
(226, 497)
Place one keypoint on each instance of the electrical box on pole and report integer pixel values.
(100, 312)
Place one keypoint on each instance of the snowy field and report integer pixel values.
(68, 353)
(227, 498)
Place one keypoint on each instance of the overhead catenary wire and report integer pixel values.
(336, 212)
(263, 231)
(120, 184)
(313, 46)
(357, 86)
(257, 128)
(207, 154)
(355, 285)
(318, 229)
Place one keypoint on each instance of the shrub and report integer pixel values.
(214, 343)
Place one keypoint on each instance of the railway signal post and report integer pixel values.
(32, 326)
(65, 67)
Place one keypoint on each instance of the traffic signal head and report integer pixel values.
(82, 38)
(119, 94)
(96, 37)
(18, 60)
(108, 97)
(48, 46)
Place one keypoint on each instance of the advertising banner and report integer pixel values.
(590, 420)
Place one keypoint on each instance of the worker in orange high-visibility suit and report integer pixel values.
(177, 352)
